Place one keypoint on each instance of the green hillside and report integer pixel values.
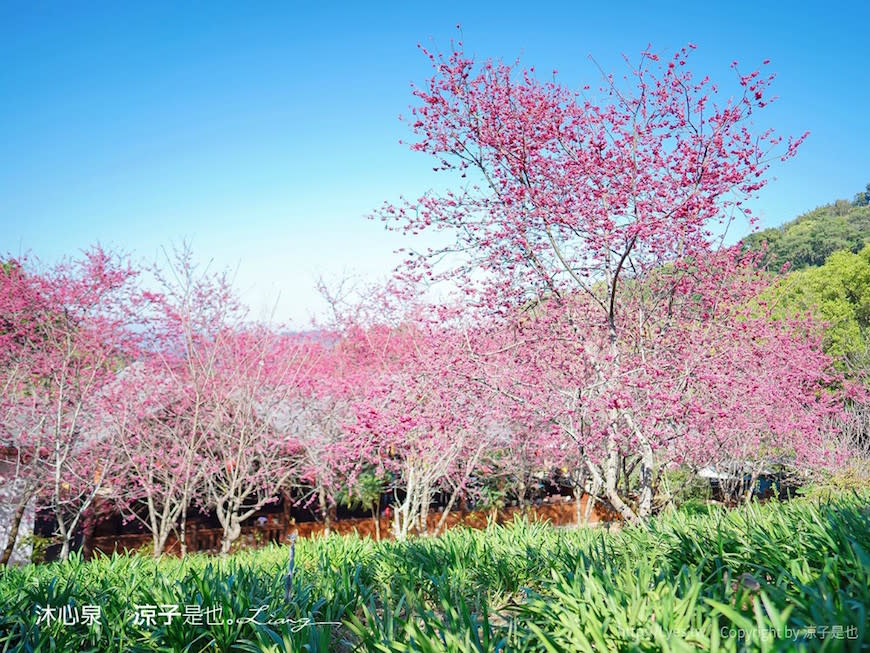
(828, 249)
(809, 239)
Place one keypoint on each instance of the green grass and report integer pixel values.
(756, 578)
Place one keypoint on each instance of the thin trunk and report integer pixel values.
(324, 508)
(423, 514)
(376, 520)
(611, 473)
(590, 502)
(446, 512)
(65, 536)
(228, 517)
(401, 511)
(644, 505)
(230, 535)
(182, 532)
(611, 470)
(647, 467)
(646, 482)
(159, 543)
(157, 524)
(623, 508)
(398, 535)
(579, 487)
(578, 502)
(68, 531)
(626, 477)
(521, 498)
(20, 509)
(750, 491)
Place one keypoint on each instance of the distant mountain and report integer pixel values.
(810, 238)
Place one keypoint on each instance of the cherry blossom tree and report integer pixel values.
(317, 424)
(166, 405)
(332, 451)
(430, 426)
(357, 345)
(67, 331)
(152, 419)
(23, 472)
(708, 389)
(250, 454)
(593, 227)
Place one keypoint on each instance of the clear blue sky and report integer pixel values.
(265, 132)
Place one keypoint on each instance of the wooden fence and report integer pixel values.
(561, 511)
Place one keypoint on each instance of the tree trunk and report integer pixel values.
(324, 509)
(623, 508)
(590, 502)
(158, 543)
(398, 535)
(65, 535)
(376, 520)
(446, 512)
(182, 532)
(647, 467)
(644, 507)
(578, 501)
(626, 477)
(611, 472)
(423, 513)
(20, 509)
(612, 465)
(578, 478)
(750, 491)
(521, 498)
(230, 535)
(402, 511)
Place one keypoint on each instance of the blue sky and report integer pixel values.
(265, 132)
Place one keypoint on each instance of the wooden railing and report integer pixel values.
(205, 540)
(208, 540)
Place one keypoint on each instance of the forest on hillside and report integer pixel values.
(822, 258)
(809, 239)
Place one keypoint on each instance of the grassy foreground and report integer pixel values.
(776, 577)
